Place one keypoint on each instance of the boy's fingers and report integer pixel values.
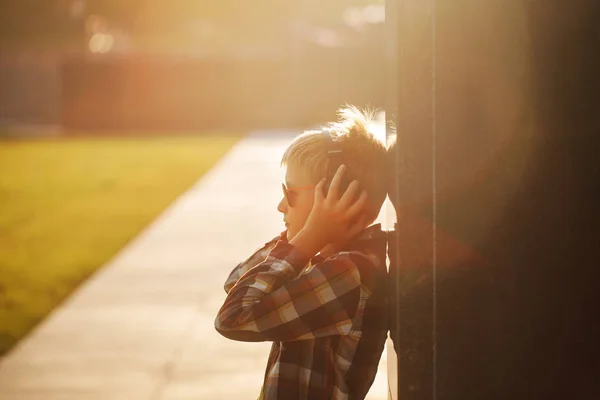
(319, 191)
(349, 195)
(358, 206)
(334, 187)
(359, 225)
(364, 220)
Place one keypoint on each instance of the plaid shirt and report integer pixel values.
(327, 318)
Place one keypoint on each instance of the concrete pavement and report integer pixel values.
(142, 327)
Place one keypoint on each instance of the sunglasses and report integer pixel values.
(290, 193)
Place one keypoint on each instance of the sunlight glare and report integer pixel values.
(101, 43)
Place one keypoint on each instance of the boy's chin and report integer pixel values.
(290, 234)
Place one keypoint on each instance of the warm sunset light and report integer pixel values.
(101, 43)
(140, 152)
(299, 199)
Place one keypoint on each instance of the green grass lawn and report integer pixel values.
(68, 205)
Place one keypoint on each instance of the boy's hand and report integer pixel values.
(334, 218)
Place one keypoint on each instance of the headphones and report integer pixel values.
(335, 158)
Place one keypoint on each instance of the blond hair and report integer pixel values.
(363, 153)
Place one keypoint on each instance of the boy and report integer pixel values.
(318, 290)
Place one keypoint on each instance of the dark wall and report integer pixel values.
(498, 115)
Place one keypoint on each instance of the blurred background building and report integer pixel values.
(113, 64)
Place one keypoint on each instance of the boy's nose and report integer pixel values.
(282, 206)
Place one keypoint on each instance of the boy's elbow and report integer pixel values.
(228, 324)
(238, 335)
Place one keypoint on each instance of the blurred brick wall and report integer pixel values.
(253, 94)
(30, 87)
(158, 94)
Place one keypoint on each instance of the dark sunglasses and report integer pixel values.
(289, 193)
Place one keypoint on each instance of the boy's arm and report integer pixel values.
(259, 256)
(274, 302)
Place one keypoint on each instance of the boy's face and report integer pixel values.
(301, 195)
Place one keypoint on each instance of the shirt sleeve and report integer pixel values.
(259, 256)
(280, 300)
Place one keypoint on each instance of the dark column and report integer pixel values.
(498, 117)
